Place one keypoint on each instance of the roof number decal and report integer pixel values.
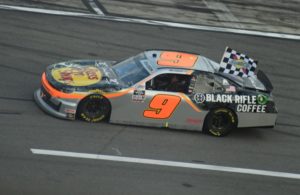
(177, 59)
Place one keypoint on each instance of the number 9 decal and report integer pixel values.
(162, 106)
(171, 58)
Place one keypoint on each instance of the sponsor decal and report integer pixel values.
(250, 108)
(244, 103)
(219, 98)
(194, 121)
(138, 95)
(238, 63)
(199, 98)
(70, 111)
(70, 115)
(192, 84)
(230, 89)
(96, 91)
(77, 76)
(262, 99)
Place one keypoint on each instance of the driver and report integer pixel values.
(177, 84)
(161, 82)
(172, 83)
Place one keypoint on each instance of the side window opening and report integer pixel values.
(208, 83)
(170, 82)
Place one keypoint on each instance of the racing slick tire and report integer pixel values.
(94, 108)
(220, 122)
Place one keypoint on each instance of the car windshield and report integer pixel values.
(131, 70)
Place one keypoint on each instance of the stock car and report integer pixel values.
(157, 88)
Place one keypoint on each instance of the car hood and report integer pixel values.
(83, 75)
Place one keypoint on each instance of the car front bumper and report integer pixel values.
(59, 108)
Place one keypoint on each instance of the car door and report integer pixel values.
(148, 106)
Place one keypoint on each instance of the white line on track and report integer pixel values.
(44, 11)
(166, 163)
(95, 7)
(155, 22)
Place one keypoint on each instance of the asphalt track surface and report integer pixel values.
(29, 42)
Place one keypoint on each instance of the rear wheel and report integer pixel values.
(219, 122)
(94, 108)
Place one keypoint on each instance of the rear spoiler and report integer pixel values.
(262, 77)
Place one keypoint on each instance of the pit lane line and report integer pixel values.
(154, 22)
(166, 163)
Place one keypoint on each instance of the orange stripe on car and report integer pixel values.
(117, 94)
(187, 100)
(189, 72)
(58, 94)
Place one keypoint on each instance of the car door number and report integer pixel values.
(162, 106)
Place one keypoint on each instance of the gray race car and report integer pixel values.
(160, 89)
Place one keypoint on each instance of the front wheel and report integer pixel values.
(94, 108)
(219, 122)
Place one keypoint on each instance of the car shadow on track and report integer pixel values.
(240, 133)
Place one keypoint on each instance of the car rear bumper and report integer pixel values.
(54, 106)
(256, 119)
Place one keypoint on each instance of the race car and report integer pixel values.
(158, 88)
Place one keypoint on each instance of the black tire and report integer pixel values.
(94, 108)
(220, 122)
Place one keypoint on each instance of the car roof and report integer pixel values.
(166, 59)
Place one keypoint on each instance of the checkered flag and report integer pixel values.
(237, 64)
